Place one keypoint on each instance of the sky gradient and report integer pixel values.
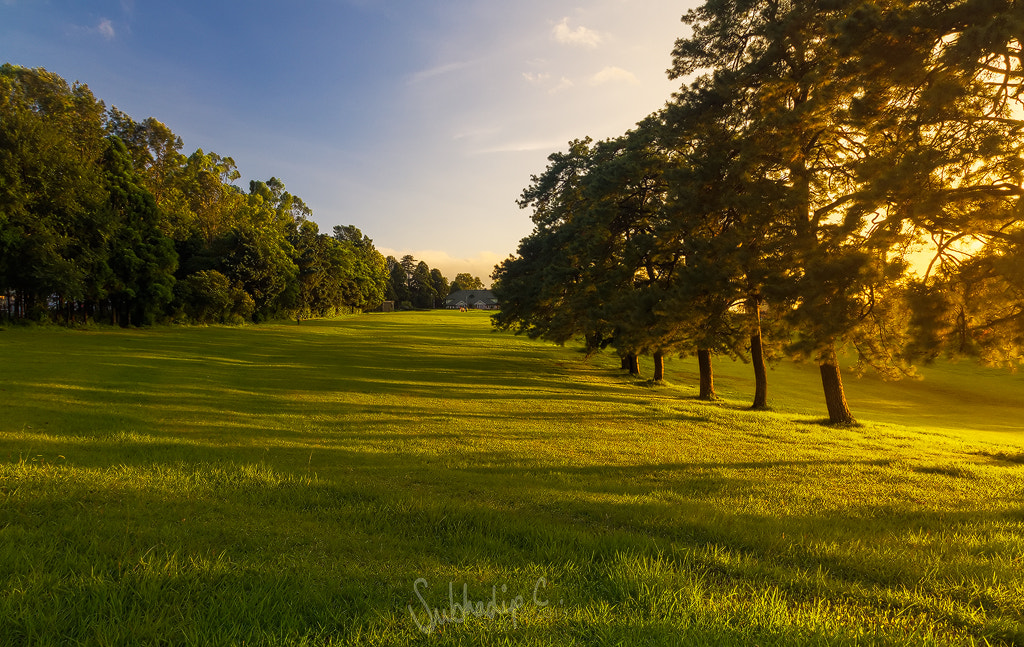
(418, 122)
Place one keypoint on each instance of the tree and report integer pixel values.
(207, 296)
(398, 282)
(946, 133)
(156, 156)
(783, 61)
(421, 285)
(467, 281)
(51, 187)
(439, 285)
(312, 263)
(370, 270)
(544, 290)
(261, 259)
(103, 217)
(142, 259)
(213, 204)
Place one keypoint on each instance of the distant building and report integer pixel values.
(472, 300)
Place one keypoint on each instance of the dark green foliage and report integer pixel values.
(209, 297)
(368, 267)
(439, 284)
(102, 218)
(51, 187)
(413, 284)
(142, 260)
(422, 287)
(398, 281)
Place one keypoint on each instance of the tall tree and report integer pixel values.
(421, 286)
(213, 203)
(782, 59)
(440, 286)
(946, 132)
(398, 282)
(51, 187)
(142, 259)
(370, 270)
(156, 156)
(544, 290)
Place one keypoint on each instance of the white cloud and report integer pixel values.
(106, 29)
(563, 84)
(580, 36)
(613, 74)
(543, 80)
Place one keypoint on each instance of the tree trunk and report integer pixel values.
(707, 379)
(835, 397)
(760, 374)
(625, 362)
(634, 365)
(757, 359)
(659, 367)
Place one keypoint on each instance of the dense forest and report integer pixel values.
(834, 178)
(103, 218)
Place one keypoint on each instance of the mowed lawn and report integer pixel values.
(414, 478)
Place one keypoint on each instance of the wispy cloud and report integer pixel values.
(563, 84)
(544, 80)
(439, 71)
(581, 36)
(106, 29)
(526, 146)
(613, 74)
(475, 133)
(536, 79)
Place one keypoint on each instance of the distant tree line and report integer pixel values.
(413, 284)
(834, 176)
(102, 218)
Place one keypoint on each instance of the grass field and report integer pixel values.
(413, 478)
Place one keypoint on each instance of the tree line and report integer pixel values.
(413, 284)
(103, 218)
(834, 178)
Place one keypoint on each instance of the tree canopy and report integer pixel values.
(104, 218)
(814, 154)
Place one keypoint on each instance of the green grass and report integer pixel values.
(290, 485)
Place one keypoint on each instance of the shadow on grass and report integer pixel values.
(290, 486)
(223, 553)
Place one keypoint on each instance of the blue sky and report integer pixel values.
(419, 122)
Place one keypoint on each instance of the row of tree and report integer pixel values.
(103, 218)
(835, 176)
(413, 284)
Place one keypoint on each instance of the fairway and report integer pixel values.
(415, 478)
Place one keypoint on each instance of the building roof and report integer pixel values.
(471, 297)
